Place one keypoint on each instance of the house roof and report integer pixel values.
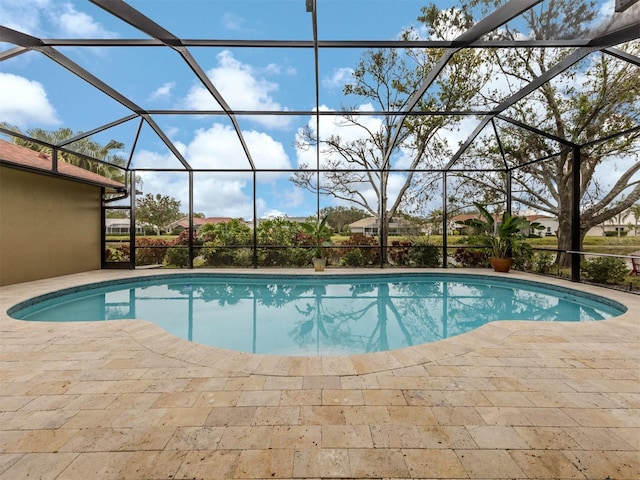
(373, 222)
(197, 221)
(363, 222)
(39, 162)
(468, 216)
(111, 222)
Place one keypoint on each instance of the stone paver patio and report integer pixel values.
(125, 400)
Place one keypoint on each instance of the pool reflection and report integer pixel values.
(347, 317)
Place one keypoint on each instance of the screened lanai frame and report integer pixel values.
(626, 29)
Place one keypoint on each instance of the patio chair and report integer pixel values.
(635, 263)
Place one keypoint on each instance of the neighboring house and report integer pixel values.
(454, 224)
(120, 226)
(49, 221)
(550, 224)
(183, 223)
(369, 227)
(623, 224)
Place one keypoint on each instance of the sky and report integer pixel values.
(36, 93)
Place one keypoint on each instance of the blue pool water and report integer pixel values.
(317, 314)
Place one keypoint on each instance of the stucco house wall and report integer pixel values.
(48, 226)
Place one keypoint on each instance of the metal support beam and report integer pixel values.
(575, 214)
(508, 188)
(36, 44)
(290, 44)
(103, 229)
(622, 55)
(255, 223)
(12, 52)
(191, 230)
(132, 221)
(140, 21)
(98, 130)
(445, 214)
(54, 160)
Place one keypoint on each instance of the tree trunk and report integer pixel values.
(383, 234)
(565, 201)
(563, 260)
(383, 221)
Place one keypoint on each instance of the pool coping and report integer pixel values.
(155, 339)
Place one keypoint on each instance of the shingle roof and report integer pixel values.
(16, 155)
(184, 221)
(468, 216)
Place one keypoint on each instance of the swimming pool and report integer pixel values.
(317, 314)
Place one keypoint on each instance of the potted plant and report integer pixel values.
(321, 235)
(505, 239)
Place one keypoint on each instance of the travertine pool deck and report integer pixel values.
(125, 400)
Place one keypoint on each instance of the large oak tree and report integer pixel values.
(597, 98)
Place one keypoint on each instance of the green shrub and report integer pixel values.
(370, 253)
(215, 254)
(298, 257)
(150, 251)
(178, 256)
(471, 257)
(242, 257)
(425, 255)
(523, 258)
(399, 252)
(543, 261)
(354, 258)
(120, 253)
(605, 270)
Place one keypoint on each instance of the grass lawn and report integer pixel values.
(612, 245)
(621, 246)
(125, 238)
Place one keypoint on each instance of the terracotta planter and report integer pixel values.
(501, 264)
(319, 264)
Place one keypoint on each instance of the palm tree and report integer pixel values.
(85, 147)
(635, 210)
(435, 220)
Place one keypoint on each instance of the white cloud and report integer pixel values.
(339, 77)
(233, 22)
(219, 147)
(163, 91)
(24, 102)
(218, 196)
(23, 15)
(292, 198)
(216, 193)
(73, 23)
(242, 88)
(48, 18)
(273, 213)
(148, 159)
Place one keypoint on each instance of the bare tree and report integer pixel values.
(356, 161)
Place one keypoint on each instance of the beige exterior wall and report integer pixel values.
(48, 226)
